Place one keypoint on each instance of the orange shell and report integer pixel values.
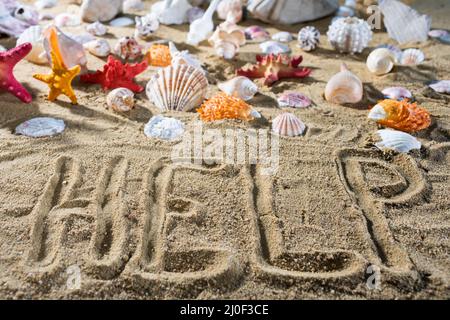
(223, 106)
(404, 116)
(159, 56)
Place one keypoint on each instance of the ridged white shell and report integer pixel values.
(41, 127)
(164, 128)
(396, 93)
(287, 124)
(99, 48)
(397, 140)
(120, 100)
(412, 57)
(349, 35)
(344, 87)
(380, 61)
(97, 29)
(34, 36)
(308, 38)
(239, 87)
(282, 36)
(273, 47)
(180, 88)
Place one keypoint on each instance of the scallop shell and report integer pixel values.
(239, 87)
(273, 47)
(380, 61)
(397, 140)
(120, 100)
(99, 48)
(41, 127)
(308, 38)
(293, 99)
(97, 29)
(257, 34)
(442, 86)
(412, 57)
(344, 87)
(146, 26)
(282, 36)
(127, 48)
(287, 124)
(180, 88)
(349, 35)
(230, 9)
(164, 128)
(396, 93)
(34, 36)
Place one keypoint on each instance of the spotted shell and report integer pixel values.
(287, 124)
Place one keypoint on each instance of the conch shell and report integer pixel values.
(287, 124)
(400, 115)
(34, 36)
(240, 87)
(201, 29)
(227, 39)
(380, 61)
(344, 87)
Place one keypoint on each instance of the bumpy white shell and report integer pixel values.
(100, 10)
(397, 140)
(308, 38)
(99, 47)
(412, 57)
(344, 87)
(120, 100)
(34, 36)
(349, 35)
(97, 29)
(164, 128)
(396, 93)
(239, 87)
(41, 127)
(380, 61)
(146, 26)
(282, 36)
(287, 124)
(179, 87)
(273, 47)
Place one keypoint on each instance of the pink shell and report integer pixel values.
(287, 124)
(293, 100)
(437, 33)
(257, 33)
(396, 93)
(442, 86)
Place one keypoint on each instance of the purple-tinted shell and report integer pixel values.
(442, 86)
(397, 93)
(195, 13)
(256, 33)
(438, 33)
(293, 100)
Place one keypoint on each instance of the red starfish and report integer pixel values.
(275, 67)
(8, 61)
(115, 74)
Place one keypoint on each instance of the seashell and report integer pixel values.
(273, 47)
(121, 22)
(195, 13)
(438, 33)
(45, 4)
(349, 35)
(380, 61)
(120, 100)
(223, 106)
(158, 55)
(99, 48)
(257, 34)
(344, 87)
(34, 36)
(227, 39)
(445, 39)
(291, 11)
(345, 11)
(130, 6)
(127, 48)
(67, 20)
(396, 51)
(97, 29)
(397, 140)
(178, 88)
(171, 11)
(282, 36)
(26, 14)
(287, 124)
(396, 93)
(201, 29)
(240, 87)
(293, 99)
(183, 57)
(442, 86)
(164, 128)
(403, 23)
(8, 24)
(230, 10)
(146, 26)
(308, 38)
(412, 57)
(400, 115)
(41, 127)
(72, 52)
(100, 10)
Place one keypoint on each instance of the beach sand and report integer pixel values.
(339, 219)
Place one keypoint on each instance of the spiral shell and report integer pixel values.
(120, 100)
(179, 87)
(380, 61)
(287, 124)
(349, 35)
(344, 87)
(240, 87)
(308, 38)
(34, 36)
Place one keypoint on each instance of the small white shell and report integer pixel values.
(164, 128)
(146, 26)
(293, 100)
(121, 22)
(442, 86)
(99, 47)
(308, 38)
(273, 47)
(120, 100)
(396, 93)
(282, 36)
(97, 29)
(412, 57)
(344, 87)
(34, 36)
(287, 124)
(397, 140)
(349, 35)
(396, 51)
(239, 87)
(380, 61)
(41, 127)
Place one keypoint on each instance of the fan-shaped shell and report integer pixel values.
(287, 124)
(120, 100)
(34, 36)
(412, 57)
(180, 88)
(380, 61)
(308, 38)
(397, 93)
(349, 35)
(240, 87)
(344, 87)
(293, 99)
(397, 140)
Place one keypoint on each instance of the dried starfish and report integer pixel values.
(275, 67)
(115, 74)
(8, 61)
